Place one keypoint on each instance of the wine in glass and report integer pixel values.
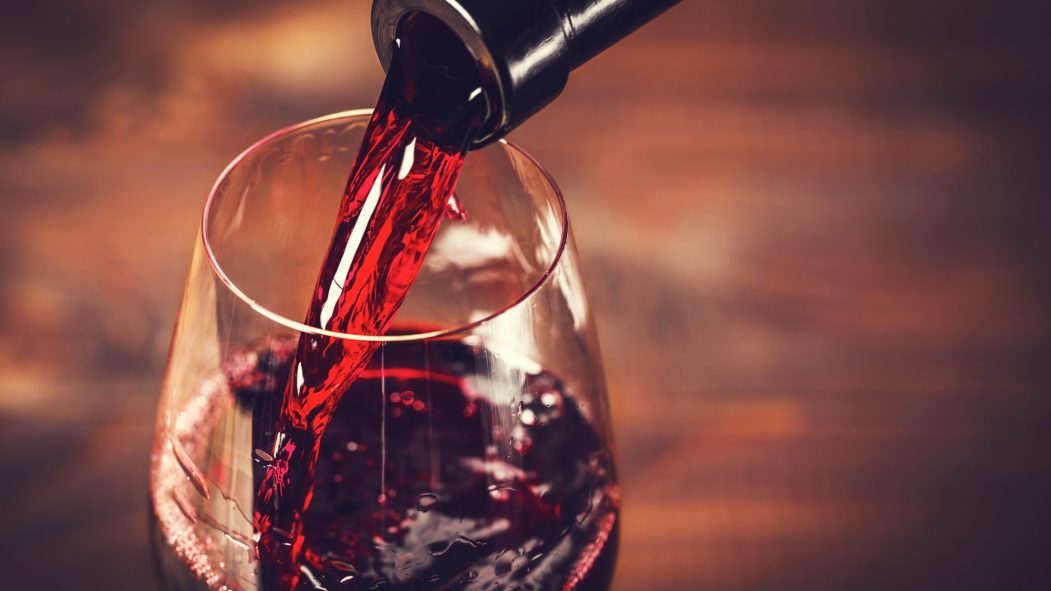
(474, 449)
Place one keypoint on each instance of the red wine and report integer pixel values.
(428, 113)
(432, 474)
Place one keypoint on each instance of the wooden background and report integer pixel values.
(816, 235)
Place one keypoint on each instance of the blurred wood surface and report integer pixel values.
(816, 236)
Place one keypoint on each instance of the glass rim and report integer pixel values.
(415, 336)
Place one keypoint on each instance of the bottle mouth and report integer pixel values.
(386, 18)
(559, 209)
(438, 82)
(519, 48)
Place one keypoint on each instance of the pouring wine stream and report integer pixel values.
(429, 112)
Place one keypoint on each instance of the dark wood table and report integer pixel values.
(816, 236)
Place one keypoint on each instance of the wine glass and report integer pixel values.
(473, 452)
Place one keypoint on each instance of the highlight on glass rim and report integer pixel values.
(531, 295)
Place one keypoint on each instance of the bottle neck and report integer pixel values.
(595, 26)
(524, 48)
